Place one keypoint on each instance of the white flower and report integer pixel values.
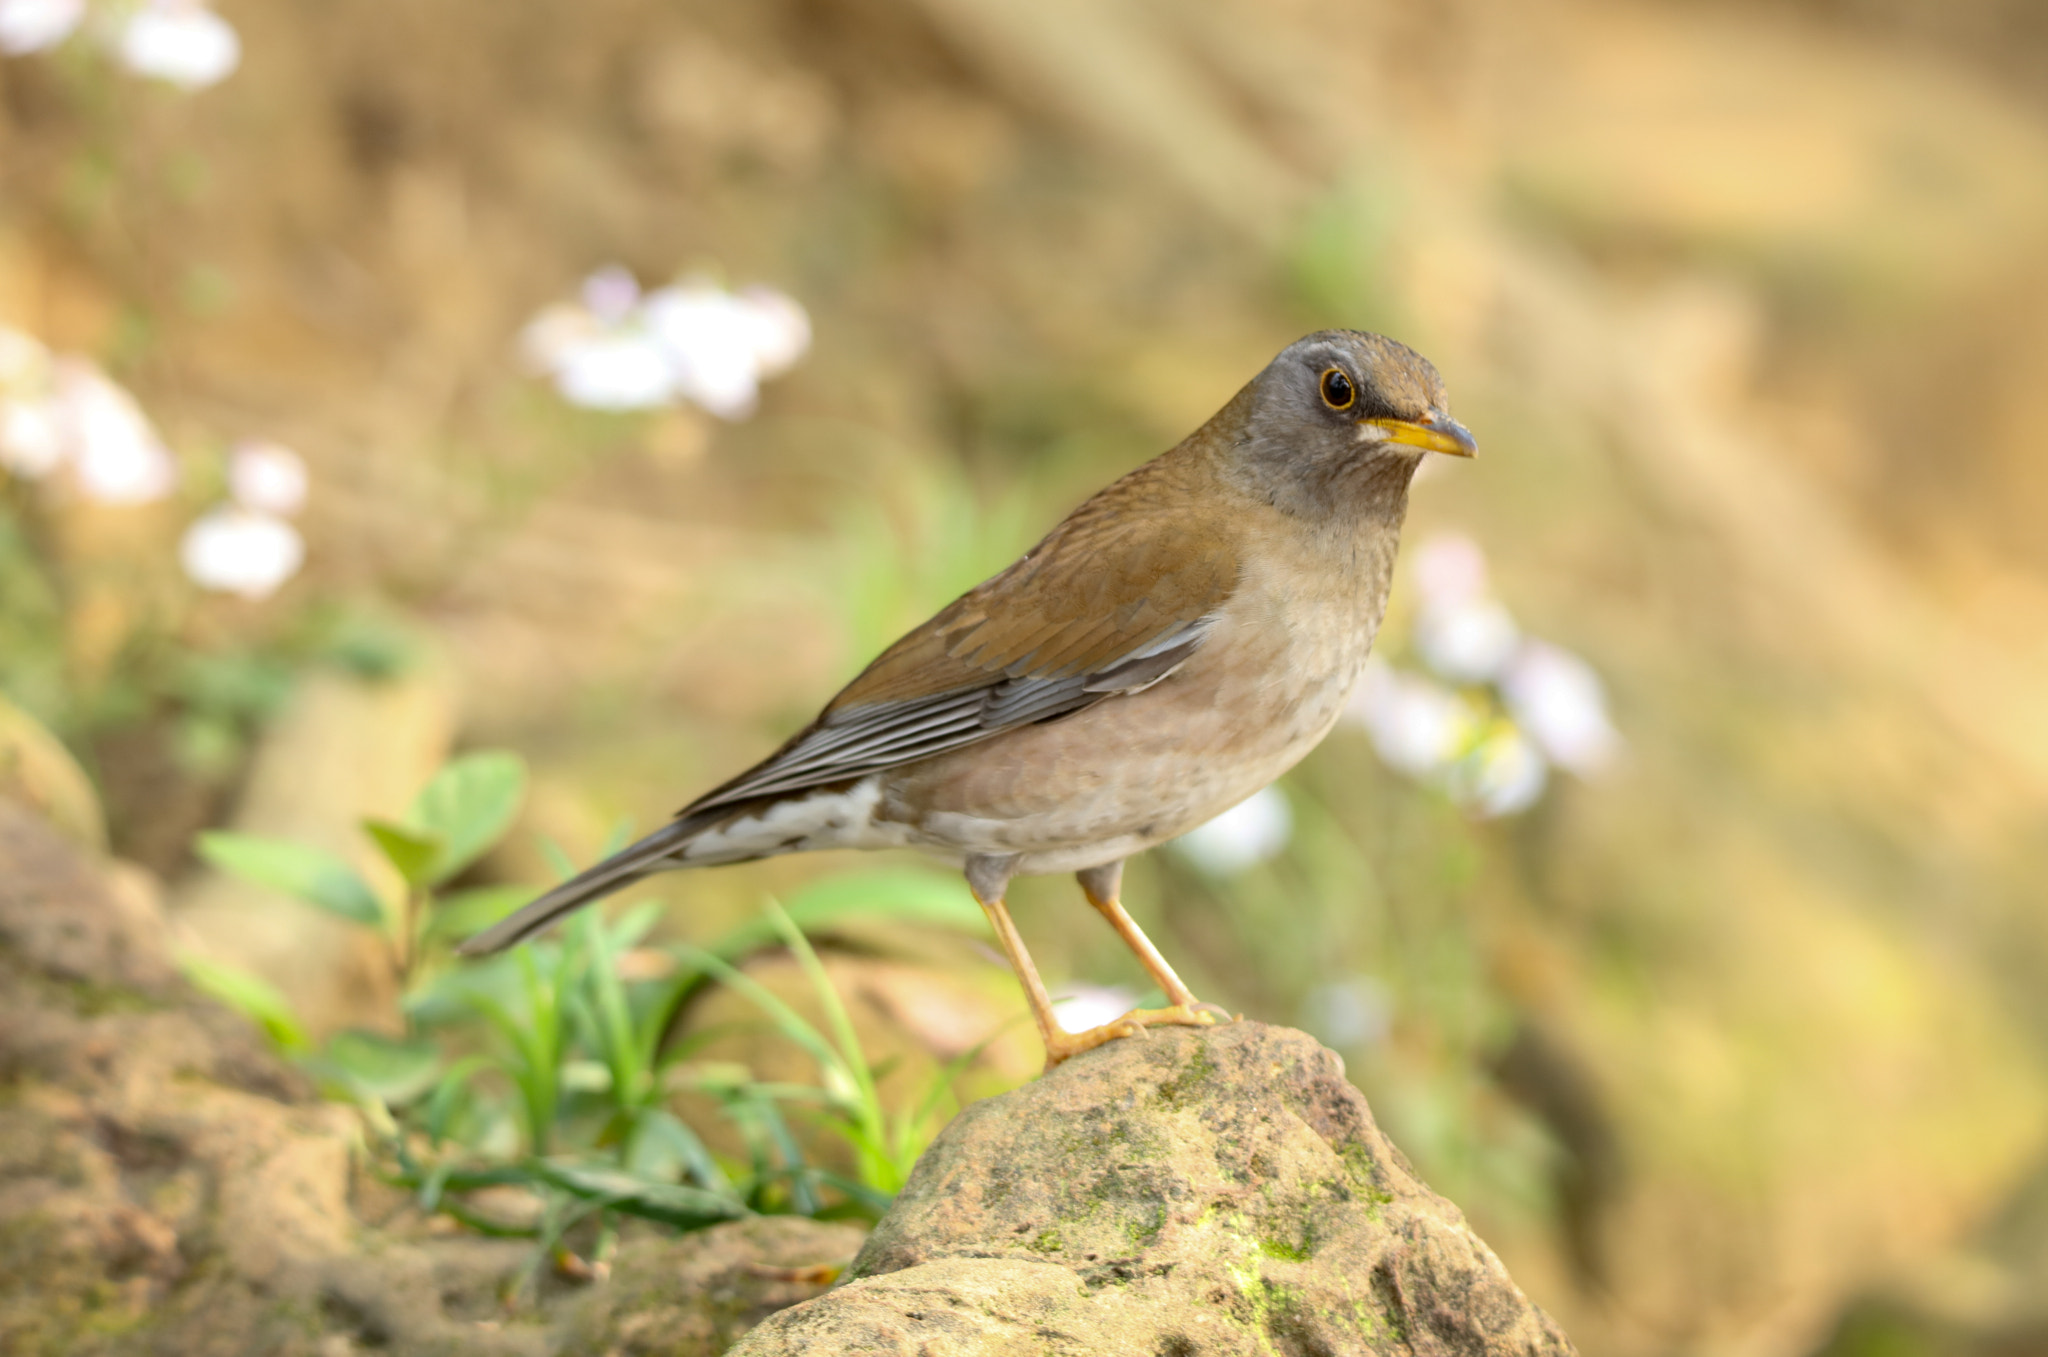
(1243, 836)
(239, 552)
(723, 345)
(31, 438)
(1357, 1011)
(1461, 631)
(118, 457)
(1418, 726)
(1557, 698)
(780, 329)
(267, 478)
(1082, 1006)
(32, 25)
(1467, 640)
(626, 370)
(1504, 776)
(180, 41)
(708, 334)
(618, 350)
(599, 352)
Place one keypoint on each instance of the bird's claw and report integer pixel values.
(1066, 1045)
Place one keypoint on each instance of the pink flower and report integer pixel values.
(1557, 698)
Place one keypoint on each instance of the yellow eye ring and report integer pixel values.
(1338, 393)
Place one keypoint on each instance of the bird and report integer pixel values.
(1175, 644)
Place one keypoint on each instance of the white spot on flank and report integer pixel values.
(841, 819)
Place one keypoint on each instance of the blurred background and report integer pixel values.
(608, 382)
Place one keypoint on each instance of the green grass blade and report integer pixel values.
(687, 1208)
(871, 1144)
(661, 1128)
(251, 996)
(787, 1020)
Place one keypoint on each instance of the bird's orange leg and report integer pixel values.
(987, 877)
(1101, 886)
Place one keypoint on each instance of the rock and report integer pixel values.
(695, 1294)
(167, 1184)
(161, 1172)
(1185, 1192)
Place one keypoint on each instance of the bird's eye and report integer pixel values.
(1338, 393)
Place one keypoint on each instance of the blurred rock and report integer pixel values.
(714, 99)
(1840, 164)
(697, 1294)
(149, 1143)
(1214, 1192)
(1105, 71)
(38, 772)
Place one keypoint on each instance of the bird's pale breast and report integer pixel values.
(1135, 770)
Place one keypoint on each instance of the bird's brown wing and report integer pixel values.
(1114, 599)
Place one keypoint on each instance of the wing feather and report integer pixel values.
(1115, 599)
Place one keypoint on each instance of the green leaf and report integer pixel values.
(310, 874)
(659, 1140)
(385, 1067)
(469, 805)
(449, 1093)
(462, 913)
(669, 1203)
(631, 928)
(413, 853)
(451, 996)
(584, 1076)
(250, 995)
(873, 1202)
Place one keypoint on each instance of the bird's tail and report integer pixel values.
(657, 852)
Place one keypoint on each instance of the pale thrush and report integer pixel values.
(1179, 641)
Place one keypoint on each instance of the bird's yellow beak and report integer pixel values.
(1434, 432)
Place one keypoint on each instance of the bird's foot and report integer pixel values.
(1066, 1045)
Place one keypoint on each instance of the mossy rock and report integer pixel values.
(1213, 1192)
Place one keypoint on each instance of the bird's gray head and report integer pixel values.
(1342, 415)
